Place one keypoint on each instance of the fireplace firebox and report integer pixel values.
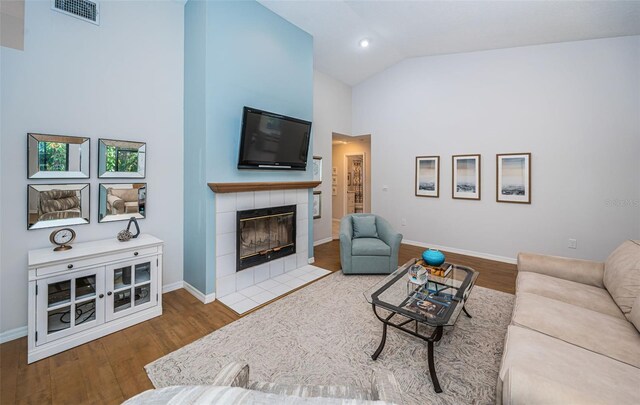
(264, 235)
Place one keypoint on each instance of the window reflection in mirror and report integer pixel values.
(57, 156)
(121, 159)
(119, 202)
(53, 205)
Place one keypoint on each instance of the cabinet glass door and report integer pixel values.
(131, 287)
(69, 304)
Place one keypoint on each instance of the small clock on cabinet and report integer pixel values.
(61, 238)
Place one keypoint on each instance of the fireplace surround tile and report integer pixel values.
(226, 202)
(246, 201)
(262, 199)
(276, 267)
(268, 284)
(263, 297)
(290, 197)
(302, 211)
(225, 222)
(261, 273)
(225, 244)
(290, 263)
(276, 198)
(251, 291)
(301, 258)
(244, 278)
(225, 285)
(303, 196)
(226, 265)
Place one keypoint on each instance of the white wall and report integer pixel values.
(575, 106)
(120, 80)
(331, 113)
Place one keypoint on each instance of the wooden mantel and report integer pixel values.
(262, 186)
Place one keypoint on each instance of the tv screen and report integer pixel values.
(273, 141)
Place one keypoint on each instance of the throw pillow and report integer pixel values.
(364, 227)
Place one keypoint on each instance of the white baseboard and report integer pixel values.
(205, 299)
(488, 256)
(311, 260)
(172, 287)
(322, 241)
(13, 334)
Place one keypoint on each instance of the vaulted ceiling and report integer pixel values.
(399, 29)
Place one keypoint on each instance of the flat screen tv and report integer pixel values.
(273, 141)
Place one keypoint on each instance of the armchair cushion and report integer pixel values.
(622, 275)
(369, 247)
(364, 226)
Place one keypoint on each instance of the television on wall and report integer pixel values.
(273, 141)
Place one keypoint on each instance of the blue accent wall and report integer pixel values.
(237, 53)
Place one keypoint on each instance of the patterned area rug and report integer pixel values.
(326, 332)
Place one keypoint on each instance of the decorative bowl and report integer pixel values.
(433, 257)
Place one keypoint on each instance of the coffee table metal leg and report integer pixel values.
(375, 355)
(465, 312)
(437, 335)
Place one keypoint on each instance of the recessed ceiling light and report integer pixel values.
(364, 43)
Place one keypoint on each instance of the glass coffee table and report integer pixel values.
(436, 302)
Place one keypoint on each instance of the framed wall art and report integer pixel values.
(513, 178)
(427, 176)
(317, 204)
(317, 168)
(466, 177)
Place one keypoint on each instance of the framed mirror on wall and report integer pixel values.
(121, 159)
(119, 202)
(57, 157)
(53, 205)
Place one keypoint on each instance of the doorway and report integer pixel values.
(351, 177)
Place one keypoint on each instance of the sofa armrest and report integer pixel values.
(581, 271)
(392, 238)
(234, 374)
(523, 387)
(346, 235)
(384, 387)
(116, 203)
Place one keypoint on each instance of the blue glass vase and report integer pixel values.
(433, 257)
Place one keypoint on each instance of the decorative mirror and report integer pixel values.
(52, 205)
(121, 159)
(119, 202)
(57, 157)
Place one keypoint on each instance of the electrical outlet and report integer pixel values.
(404, 221)
(573, 244)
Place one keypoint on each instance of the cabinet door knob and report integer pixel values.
(101, 296)
(135, 253)
(109, 293)
(69, 266)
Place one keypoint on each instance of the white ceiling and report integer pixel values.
(400, 29)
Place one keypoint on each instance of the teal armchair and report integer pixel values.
(368, 255)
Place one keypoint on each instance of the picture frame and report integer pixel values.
(466, 180)
(334, 171)
(334, 180)
(427, 176)
(58, 156)
(513, 178)
(334, 191)
(317, 204)
(121, 159)
(317, 168)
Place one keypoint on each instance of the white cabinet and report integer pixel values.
(92, 290)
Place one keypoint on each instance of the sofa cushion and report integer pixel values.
(369, 247)
(611, 336)
(606, 380)
(321, 391)
(364, 226)
(622, 275)
(582, 295)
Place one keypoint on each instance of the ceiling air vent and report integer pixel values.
(83, 9)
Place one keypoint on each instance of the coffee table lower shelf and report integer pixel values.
(431, 339)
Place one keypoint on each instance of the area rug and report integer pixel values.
(325, 334)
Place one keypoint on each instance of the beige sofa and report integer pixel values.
(574, 337)
(122, 201)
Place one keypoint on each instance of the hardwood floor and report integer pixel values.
(111, 369)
